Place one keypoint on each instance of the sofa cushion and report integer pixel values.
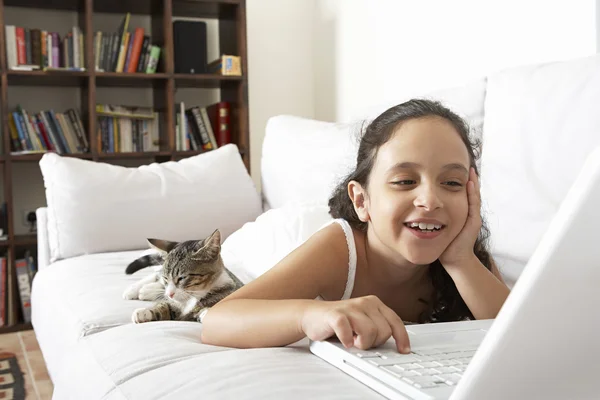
(259, 245)
(304, 159)
(541, 122)
(80, 296)
(97, 207)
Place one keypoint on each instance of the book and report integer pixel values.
(220, 120)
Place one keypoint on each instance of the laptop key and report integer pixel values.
(391, 361)
(426, 371)
(427, 364)
(394, 371)
(428, 378)
(409, 374)
(425, 385)
(411, 366)
(448, 363)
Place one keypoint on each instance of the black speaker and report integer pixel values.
(189, 47)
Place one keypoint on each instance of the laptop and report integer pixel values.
(543, 344)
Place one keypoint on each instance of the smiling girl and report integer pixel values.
(407, 245)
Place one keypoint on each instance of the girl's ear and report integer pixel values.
(358, 195)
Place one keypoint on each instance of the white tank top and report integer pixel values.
(351, 257)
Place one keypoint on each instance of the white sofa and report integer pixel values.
(538, 124)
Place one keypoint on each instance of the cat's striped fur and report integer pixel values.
(192, 277)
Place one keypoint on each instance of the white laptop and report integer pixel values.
(544, 343)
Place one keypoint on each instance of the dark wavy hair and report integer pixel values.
(448, 304)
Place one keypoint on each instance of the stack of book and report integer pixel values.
(47, 131)
(123, 129)
(25, 269)
(35, 49)
(125, 51)
(202, 128)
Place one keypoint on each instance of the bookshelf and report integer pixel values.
(230, 15)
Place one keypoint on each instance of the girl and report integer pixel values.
(407, 244)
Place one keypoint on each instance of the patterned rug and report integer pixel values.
(12, 383)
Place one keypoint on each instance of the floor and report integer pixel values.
(24, 344)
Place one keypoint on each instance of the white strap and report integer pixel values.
(352, 257)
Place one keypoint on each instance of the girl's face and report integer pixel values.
(416, 198)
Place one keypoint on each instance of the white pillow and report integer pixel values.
(541, 122)
(304, 159)
(259, 245)
(97, 207)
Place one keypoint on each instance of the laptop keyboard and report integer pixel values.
(422, 368)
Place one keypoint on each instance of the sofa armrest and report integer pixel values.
(43, 246)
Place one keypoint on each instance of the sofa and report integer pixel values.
(537, 124)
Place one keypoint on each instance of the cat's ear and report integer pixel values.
(210, 249)
(162, 246)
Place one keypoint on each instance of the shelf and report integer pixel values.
(120, 79)
(177, 155)
(16, 328)
(148, 7)
(71, 5)
(204, 80)
(47, 78)
(203, 8)
(116, 79)
(25, 240)
(133, 155)
(38, 156)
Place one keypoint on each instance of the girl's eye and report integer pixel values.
(404, 182)
(453, 183)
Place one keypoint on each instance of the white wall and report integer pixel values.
(387, 50)
(597, 26)
(280, 65)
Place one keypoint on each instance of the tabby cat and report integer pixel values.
(192, 278)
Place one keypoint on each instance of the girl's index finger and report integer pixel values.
(399, 332)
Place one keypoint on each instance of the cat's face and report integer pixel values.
(190, 267)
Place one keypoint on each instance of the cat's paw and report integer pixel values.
(142, 315)
(151, 292)
(131, 293)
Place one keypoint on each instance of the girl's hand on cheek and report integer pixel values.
(363, 322)
(461, 248)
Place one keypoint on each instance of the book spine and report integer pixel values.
(55, 49)
(21, 53)
(206, 145)
(153, 60)
(75, 37)
(24, 288)
(3, 294)
(141, 67)
(14, 134)
(209, 129)
(11, 46)
(28, 58)
(136, 50)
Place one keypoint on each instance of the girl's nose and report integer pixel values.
(427, 198)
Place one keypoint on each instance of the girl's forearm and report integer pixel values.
(246, 323)
(482, 292)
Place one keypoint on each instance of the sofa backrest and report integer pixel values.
(541, 122)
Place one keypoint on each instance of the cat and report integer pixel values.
(190, 277)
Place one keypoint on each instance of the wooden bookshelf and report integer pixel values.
(231, 16)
